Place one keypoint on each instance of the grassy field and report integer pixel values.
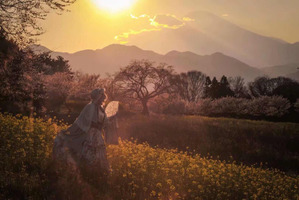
(142, 172)
(139, 170)
(247, 141)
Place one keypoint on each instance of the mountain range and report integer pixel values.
(206, 43)
(289, 70)
(111, 58)
(208, 33)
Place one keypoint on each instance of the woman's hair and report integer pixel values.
(97, 93)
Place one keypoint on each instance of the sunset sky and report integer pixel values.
(94, 24)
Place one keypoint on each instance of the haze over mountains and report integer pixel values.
(209, 44)
(112, 57)
(209, 33)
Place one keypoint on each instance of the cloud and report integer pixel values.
(122, 37)
(155, 23)
(187, 19)
(168, 21)
(225, 15)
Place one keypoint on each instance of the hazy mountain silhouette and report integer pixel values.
(209, 34)
(112, 57)
(294, 75)
(281, 70)
(39, 48)
(290, 70)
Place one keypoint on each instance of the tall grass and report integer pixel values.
(248, 141)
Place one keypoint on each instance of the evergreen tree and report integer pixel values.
(214, 89)
(224, 88)
(207, 86)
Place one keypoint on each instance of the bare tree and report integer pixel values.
(190, 85)
(83, 85)
(280, 86)
(111, 89)
(58, 87)
(237, 85)
(142, 81)
(261, 86)
(19, 18)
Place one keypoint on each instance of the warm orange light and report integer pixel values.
(114, 5)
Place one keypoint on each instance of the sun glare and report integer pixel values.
(114, 5)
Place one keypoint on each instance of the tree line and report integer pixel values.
(38, 83)
(31, 82)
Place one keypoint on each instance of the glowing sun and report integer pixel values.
(114, 5)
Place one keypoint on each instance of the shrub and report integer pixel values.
(262, 107)
(175, 108)
(229, 106)
(198, 108)
(274, 106)
(296, 105)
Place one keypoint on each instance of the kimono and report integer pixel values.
(84, 141)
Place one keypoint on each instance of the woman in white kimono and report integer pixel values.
(83, 142)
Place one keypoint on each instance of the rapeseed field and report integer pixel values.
(139, 171)
(143, 172)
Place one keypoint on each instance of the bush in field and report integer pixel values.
(274, 106)
(229, 106)
(203, 106)
(265, 106)
(142, 172)
(25, 151)
(161, 103)
(175, 108)
(296, 105)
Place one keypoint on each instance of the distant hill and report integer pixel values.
(294, 76)
(39, 48)
(281, 70)
(112, 57)
(209, 33)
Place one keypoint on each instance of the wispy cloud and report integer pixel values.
(187, 19)
(157, 23)
(122, 37)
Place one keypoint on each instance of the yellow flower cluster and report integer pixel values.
(142, 172)
(25, 151)
(138, 170)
